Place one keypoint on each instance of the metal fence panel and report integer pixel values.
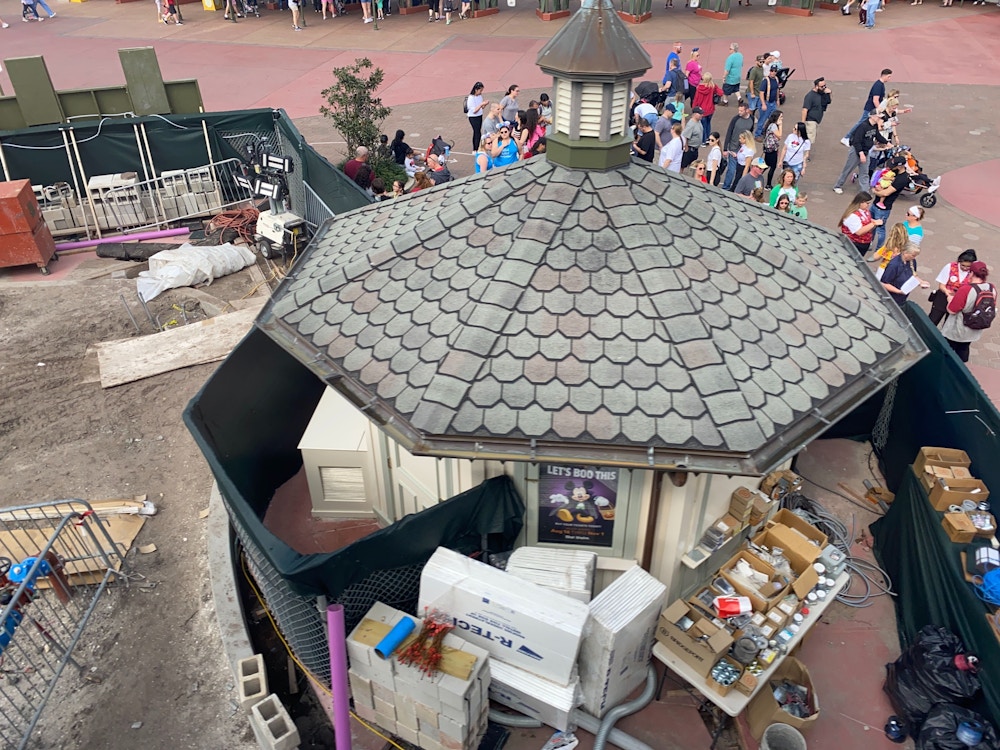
(56, 559)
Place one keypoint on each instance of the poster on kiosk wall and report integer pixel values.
(576, 505)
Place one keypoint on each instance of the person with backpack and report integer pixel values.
(768, 100)
(952, 276)
(475, 107)
(900, 276)
(970, 311)
(976, 302)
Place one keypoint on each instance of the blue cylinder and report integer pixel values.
(399, 633)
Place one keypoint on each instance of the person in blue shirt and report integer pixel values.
(674, 55)
(733, 74)
(505, 149)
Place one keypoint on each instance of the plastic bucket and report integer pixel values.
(782, 737)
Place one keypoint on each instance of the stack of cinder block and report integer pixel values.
(435, 712)
(272, 726)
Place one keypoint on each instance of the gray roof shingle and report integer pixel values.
(536, 311)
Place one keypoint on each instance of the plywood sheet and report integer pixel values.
(211, 340)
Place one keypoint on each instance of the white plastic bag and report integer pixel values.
(188, 265)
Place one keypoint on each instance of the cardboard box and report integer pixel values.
(946, 493)
(516, 621)
(720, 688)
(933, 473)
(806, 529)
(699, 654)
(763, 710)
(985, 532)
(959, 527)
(761, 601)
(747, 683)
(798, 550)
(961, 472)
(949, 457)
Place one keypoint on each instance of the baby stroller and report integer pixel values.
(783, 75)
(649, 92)
(251, 7)
(920, 183)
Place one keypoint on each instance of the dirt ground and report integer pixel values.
(155, 642)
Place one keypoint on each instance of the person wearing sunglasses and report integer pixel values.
(484, 156)
(698, 167)
(505, 149)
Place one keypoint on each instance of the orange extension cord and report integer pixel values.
(243, 221)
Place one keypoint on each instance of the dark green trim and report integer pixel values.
(588, 153)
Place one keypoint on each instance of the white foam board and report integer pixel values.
(534, 696)
(516, 621)
(618, 639)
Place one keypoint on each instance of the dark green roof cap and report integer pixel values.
(594, 42)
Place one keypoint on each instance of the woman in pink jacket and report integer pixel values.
(692, 72)
(704, 97)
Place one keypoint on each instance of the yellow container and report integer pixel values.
(210, 5)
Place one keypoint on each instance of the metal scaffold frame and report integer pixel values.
(56, 560)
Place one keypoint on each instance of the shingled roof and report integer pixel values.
(626, 317)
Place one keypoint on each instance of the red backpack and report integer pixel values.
(983, 311)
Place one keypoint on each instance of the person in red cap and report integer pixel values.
(961, 328)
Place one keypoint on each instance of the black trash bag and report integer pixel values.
(926, 674)
(939, 729)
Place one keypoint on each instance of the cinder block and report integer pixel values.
(381, 671)
(361, 669)
(385, 708)
(451, 743)
(251, 680)
(427, 742)
(408, 734)
(386, 722)
(383, 693)
(365, 712)
(459, 713)
(429, 728)
(453, 691)
(426, 716)
(361, 690)
(406, 712)
(274, 724)
(456, 729)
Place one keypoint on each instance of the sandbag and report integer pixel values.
(926, 674)
(940, 729)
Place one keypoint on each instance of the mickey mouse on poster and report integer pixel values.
(586, 504)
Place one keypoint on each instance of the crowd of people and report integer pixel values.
(759, 158)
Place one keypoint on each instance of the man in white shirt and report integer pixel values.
(673, 152)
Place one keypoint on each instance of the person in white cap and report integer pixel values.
(774, 61)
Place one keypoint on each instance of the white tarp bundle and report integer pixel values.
(188, 265)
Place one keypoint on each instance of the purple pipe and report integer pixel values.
(338, 676)
(121, 238)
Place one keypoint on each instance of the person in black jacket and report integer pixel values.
(741, 123)
(863, 138)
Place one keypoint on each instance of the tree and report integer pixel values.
(357, 113)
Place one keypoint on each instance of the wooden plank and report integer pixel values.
(211, 340)
(454, 662)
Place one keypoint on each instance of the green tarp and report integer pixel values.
(248, 419)
(937, 403)
(926, 573)
(110, 146)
